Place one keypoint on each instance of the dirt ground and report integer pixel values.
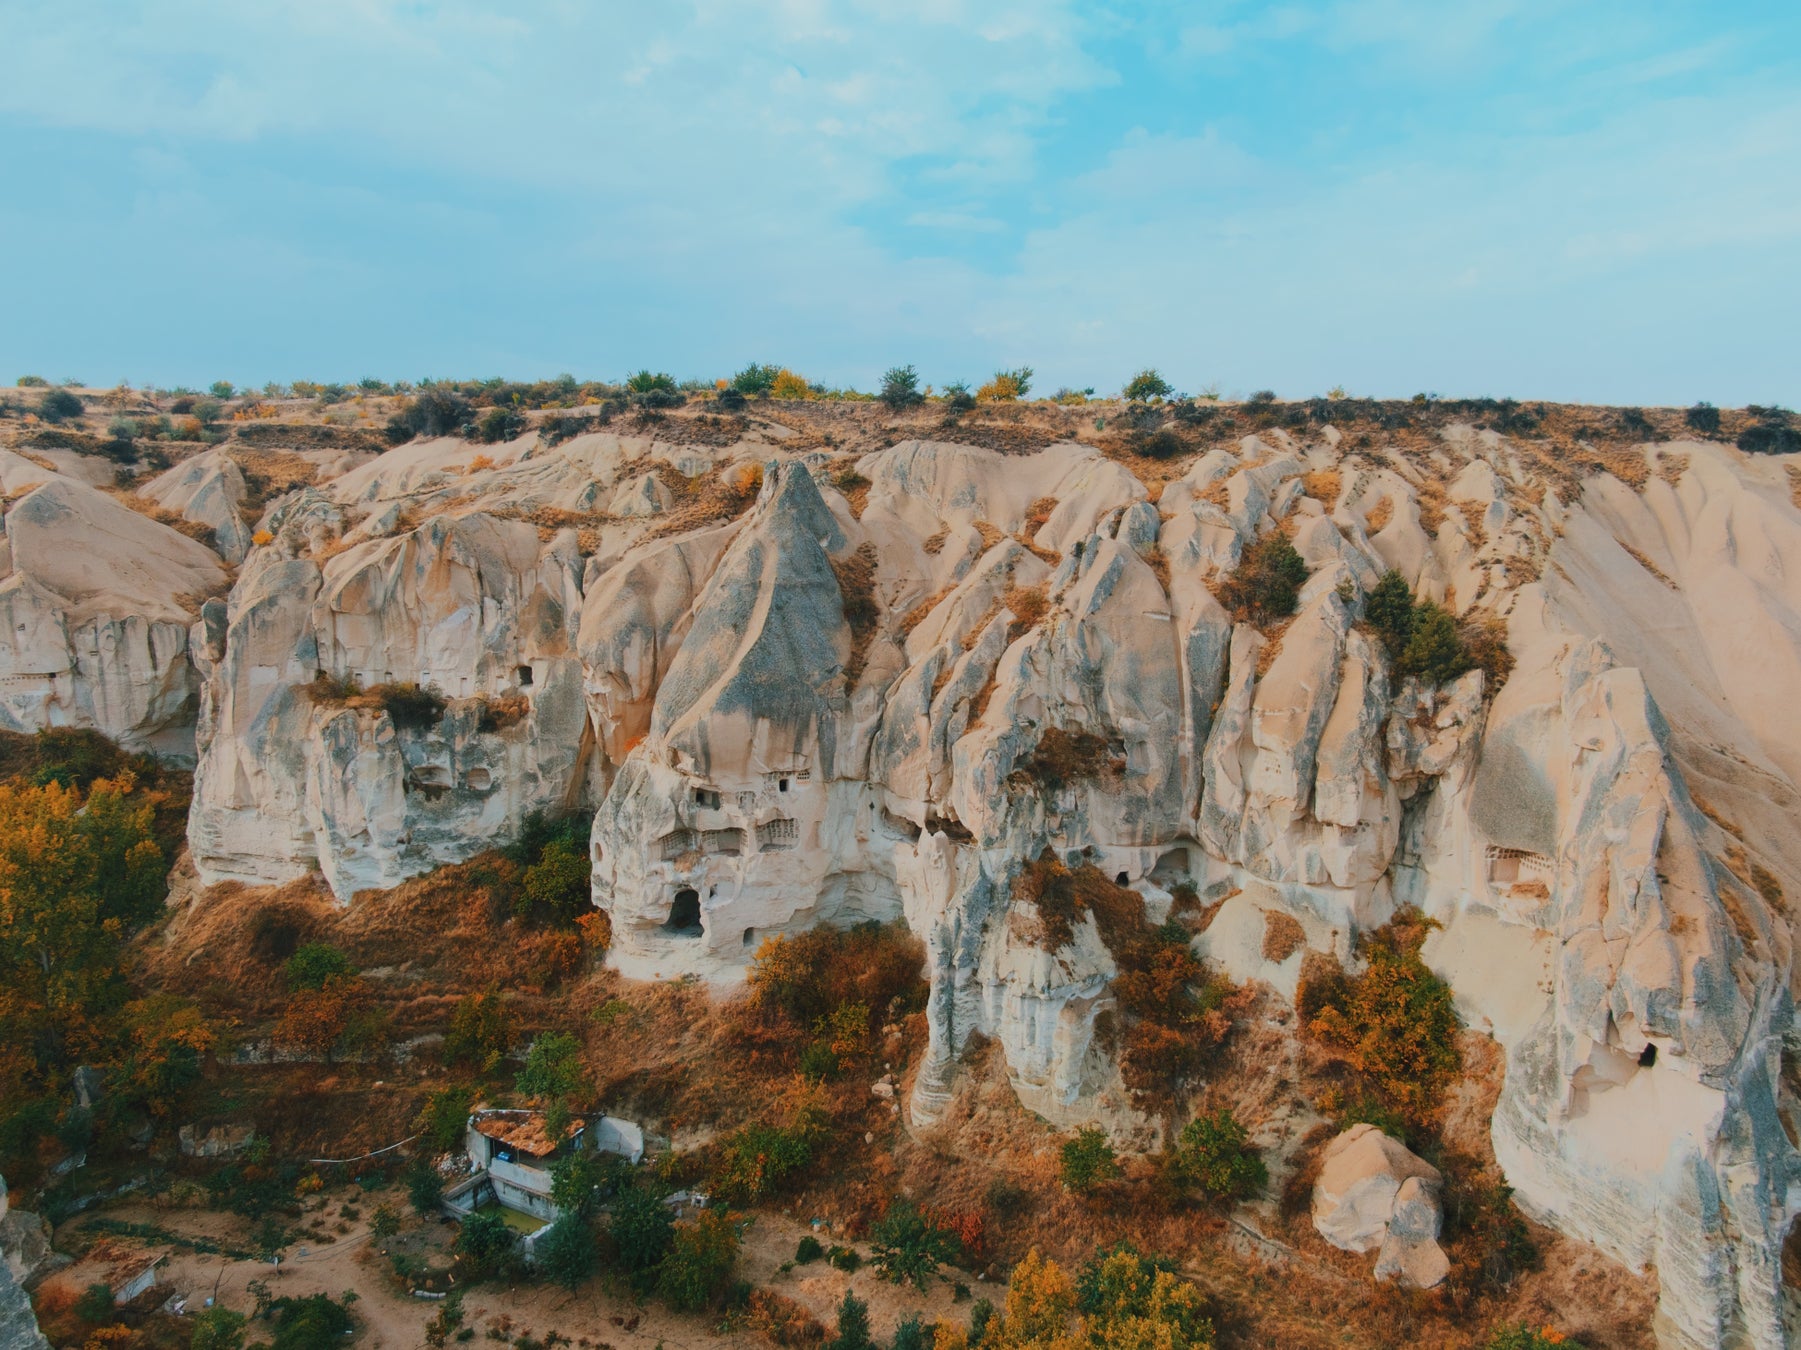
(390, 1319)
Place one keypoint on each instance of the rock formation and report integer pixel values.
(797, 686)
(1373, 1194)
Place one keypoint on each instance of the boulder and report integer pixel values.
(1374, 1194)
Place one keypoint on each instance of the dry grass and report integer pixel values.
(1648, 565)
(1433, 501)
(1378, 516)
(923, 610)
(1671, 467)
(856, 586)
(1028, 605)
(1471, 514)
(1794, 484)
(1283, 935)
(1626, 463)
(193, 529)
(934, 543)
(991, 534)
(1324, 486)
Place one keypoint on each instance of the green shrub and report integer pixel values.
(900, 387)
(1703, 417)
(32, 382)
(222, 389)
(847, 1259)
(644, 382)
(1266, 584)
(553, 1067)
(500, 424)
(1213, 1155)
(1086, 1161)
(445, 1117)
(581, 1182)
(1389, 610)
(218, 1328)
(808, 1251)
(95, 1303)
(981, 1313)
(912, 1334)
(312, 1323)
(957, 396)
(315, 963)
(408, 706)
(1434, 652)
(1488, 1241)
(482, 1029)
(909, 1246)
(436, 412)
(1769, 438)
(1146, 385)
(757, 1161)
(59, 405)
(424, 1188)
(698, 1266)
(755, 379)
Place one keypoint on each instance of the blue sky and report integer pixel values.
(1597, 201)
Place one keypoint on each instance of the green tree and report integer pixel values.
(581, 1182)
(1389, 610)
(1146, 385)
(485, 1243)
(1434, 651)
(567, 1254)
(900, 387)
(645, 381)
(853, 1325)
(556, 888)
(553, 1067)
(312, 1323)
(755, 379)
(912, 1334)
(424, 1187)
(384, 1223)
(699, 1264)
(94, 1304)
(1266, 583)
(1213, 1155)
(482, 1029)
(445, 1117)
(59, 405)
(641, 1228)
(313, 963)
(1086, 1161)
(218, 1328)
(1128, 1299)
(908, 1245)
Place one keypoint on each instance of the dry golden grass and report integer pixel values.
(1794, 484)
(1671, 466)
(1283, 935)
(934, 543)
(1378, 516)
(1626, 463)
(991, 534)
(1648, 565)
(1471, 514)
(1323, 485)
(1432, 503)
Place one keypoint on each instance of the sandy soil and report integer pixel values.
(389, 1319)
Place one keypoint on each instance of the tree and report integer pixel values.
(1086, 1161)
(556, 888)
(424, 1187)
(853, 1325)
(908, 1245)
(581, 1182)
(482, 1029)
(1703, 417)
(1040, 1301)
(167, 1041)
(222, 389)
(567, 1254)
(59, 405)
(1128, 1299)
(1266, 584)
(384, 1223)
(1389, 610)
(755, 379)
(320, 1021)
(1006, 386)
(218, 1328)
(644, 382)
(439, 1330)
(699, 1262)
(1213, 1155)
(789, 385)
(1146, 385)
(957, 397)
(641, 1228)
(313, 963)
(900, 387)
(444, 1117)
(485, 1243)
(553, 1067)
(1434, 652)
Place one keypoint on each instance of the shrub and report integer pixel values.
(1768, 438)
(912, 1334)
(844, 1258)
(32, 382)
(1266, 584)
(500, 424)
(1006, 386)
(313, 964)
(222, 389)
(1703, 417)
(698, 1267)
(436, 412)
(1262, 398)
(384, 1222)
(808, 1251)
(567, 1254)
(311, 1323)
(1389, 610)
(1213, 1155)
(644, 381)
(787, 384)
(218, 1328)
(755, 379)
(853, 1325)
(1127, 1298)
(556, 889)
(59, 405)
(338, 1015)
(582, 1181)
(95, 1303)
(730, 400)
(900, 388)
(957, 397)
(482, 1029)
(409, 706)
(909, 1246)
(1064, 757)
(1394, 1025)
(759, 1160)
(806, 976)
(1146, 385)
(1519, 1336)
(1086, 1161)
(1487, 1240)
(781, 1321)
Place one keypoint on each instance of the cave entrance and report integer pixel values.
(684, 914)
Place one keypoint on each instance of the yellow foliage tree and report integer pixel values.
(1041, 1303)
(789, 385)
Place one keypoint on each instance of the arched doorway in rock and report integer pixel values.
(684, 913)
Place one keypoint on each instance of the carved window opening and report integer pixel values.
(684, 914)
(778, 834)
(722, 841)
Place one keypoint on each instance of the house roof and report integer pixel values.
(523, 1130)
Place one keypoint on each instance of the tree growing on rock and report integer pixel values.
(1266, 584)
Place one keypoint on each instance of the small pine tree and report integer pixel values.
(1086, 1161)
(912, 1334)
(853, 1325)
(900, 388)
(1433, 653)
(1389, 610)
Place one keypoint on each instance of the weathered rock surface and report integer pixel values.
(800, 711)
(23, 1241)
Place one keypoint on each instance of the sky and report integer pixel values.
(1592, 200)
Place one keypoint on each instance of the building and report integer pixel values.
(511, 1153)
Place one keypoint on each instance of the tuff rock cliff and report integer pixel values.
(798, 687)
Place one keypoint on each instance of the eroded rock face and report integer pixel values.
(1374, 1194)
(797, 713)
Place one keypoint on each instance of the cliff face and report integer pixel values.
(796, 688)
